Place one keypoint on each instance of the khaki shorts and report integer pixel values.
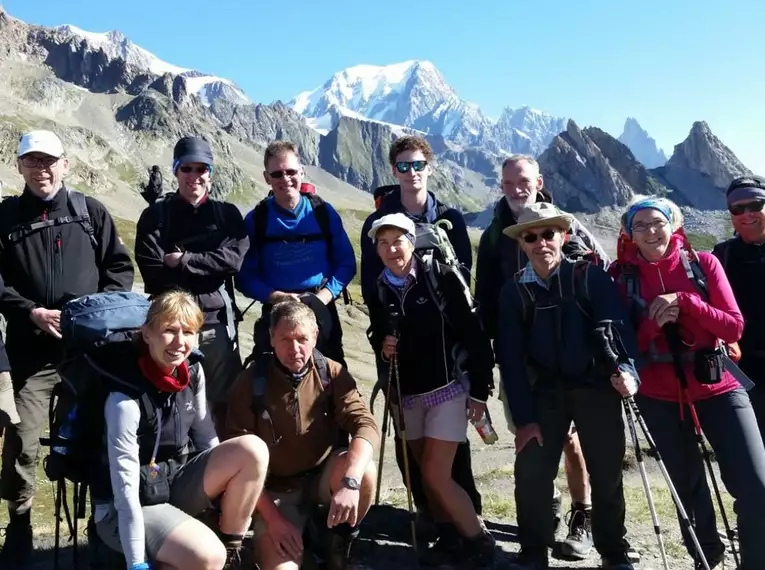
(296, 505)
(446, 422)
(187, 500)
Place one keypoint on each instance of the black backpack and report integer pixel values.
(320, 212)
(77, 206)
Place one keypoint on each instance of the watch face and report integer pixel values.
(351, 483)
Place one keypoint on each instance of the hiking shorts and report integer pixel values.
(446, 421)
(296, 505)
(187, 500)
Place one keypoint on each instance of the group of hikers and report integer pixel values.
(191, 450)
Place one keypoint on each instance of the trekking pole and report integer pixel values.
(407, 476)
(685, 520)
(616, 354)
(386, 418)
(674, 342)
(644, 477)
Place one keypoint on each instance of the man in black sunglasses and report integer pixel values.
(553, 375)
(189, 240)
(743, 258)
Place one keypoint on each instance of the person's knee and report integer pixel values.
(254, 454)
(212, 556)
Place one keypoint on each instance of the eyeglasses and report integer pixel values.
(739, 209)
(644, 227)
(194, 169)
(416, 165)
(282, 173)
(531, 237)
(34, 162)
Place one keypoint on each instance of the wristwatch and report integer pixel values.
(350, 483)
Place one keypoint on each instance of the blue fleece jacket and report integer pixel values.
(296, 266)
(559, 347)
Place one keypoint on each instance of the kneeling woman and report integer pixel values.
(436, 403)
(680, 327)
(165, 464)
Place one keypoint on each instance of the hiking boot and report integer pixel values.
(479, 552)
(617, 562)
(425, 527)
(714, 561)
(447, 548)
(233, 558)
(339, 550)
(578, 543)
(18, 540)
(530, 559)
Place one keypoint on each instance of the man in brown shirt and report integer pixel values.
(305, 412)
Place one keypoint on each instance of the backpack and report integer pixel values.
(76, 409)
(77, 206)
(320, 212)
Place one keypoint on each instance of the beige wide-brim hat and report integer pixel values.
(539, 215)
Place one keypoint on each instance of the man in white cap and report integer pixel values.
(553, 373)
(56, 244)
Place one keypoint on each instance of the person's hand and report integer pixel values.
(670, 315)
(279, 296)
(624, 383)
(389, 346)
(47, 320)
(476, 410)
(525, 434)
(287, 539)
(661, 304)
(173, 259)
(325, 295)
(344, 508)
(8, 412)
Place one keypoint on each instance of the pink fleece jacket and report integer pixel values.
(701, 323)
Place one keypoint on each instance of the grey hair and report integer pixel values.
(294, 313)
(513, 158)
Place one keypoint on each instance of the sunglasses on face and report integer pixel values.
(194, 169)
(283, 173)
(531, 237)
(416, 165)
(34, 162)
(739, 209)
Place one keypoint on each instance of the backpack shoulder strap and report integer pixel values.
(260, 223)
(695, 274)
(495, 235)
(79, 207)
(432, 272)
(581, 287)
(321, 213)
(441, 209)
(322, 367)
(528, 299)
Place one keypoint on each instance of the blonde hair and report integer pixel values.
(174, 306)
(677, 221)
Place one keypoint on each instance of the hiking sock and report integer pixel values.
(581, 507)
(231, 540)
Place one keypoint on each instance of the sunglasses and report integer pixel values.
(194, 169)
(283, 173)
(34, 162)
(416, 165)
(740, 209)
(531, 237)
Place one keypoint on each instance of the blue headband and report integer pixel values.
(649, 203)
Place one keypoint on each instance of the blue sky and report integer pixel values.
(666, 63)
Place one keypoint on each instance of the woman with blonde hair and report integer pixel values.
(165, 464)
(685, 313)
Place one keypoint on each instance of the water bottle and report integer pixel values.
(485, 429)
(65, 433)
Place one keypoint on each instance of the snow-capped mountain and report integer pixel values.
(415, 94)
(642, 145)
(115, 45)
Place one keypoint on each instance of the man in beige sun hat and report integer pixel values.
(552, 375)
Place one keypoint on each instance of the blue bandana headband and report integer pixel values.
(649, 203)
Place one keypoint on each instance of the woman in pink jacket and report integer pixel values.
(655, 267)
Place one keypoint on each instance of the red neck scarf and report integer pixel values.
(161, 380)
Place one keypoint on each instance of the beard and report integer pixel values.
(517, 205)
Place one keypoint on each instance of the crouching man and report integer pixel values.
(305, 411)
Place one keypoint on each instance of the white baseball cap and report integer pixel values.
(45, 142)
(401, 221)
